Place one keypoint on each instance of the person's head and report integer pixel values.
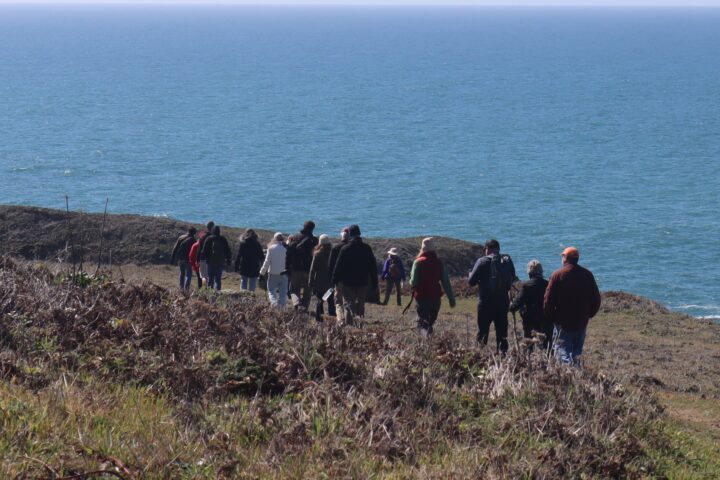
(534, 269)
(324, 239)
(570, 255)
(492, 246)
(345, 234)
(428, 245)
(308, 227)
(209, 226)
(393, 252)
(277, 238)
(249, 233)
(216, 230)
(354, 231)
(192, 231)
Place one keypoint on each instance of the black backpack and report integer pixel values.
(501, 274)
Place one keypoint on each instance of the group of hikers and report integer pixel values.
(554, 313)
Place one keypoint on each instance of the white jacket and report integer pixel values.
(274, 260)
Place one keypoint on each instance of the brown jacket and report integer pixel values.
(572, 297)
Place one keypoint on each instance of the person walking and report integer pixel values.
(249, 258)
(274, 268)
(356, 271)
(298, 260)
(319, 280)
(394, 275)
(193, 257)
(572, 298)
(181, 255)
(493, 274)
(337, 298)
(429, 279)
(216, 251)
(529, 302)
(202, 261)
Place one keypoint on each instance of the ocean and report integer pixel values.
(545, 127)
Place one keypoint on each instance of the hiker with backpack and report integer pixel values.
(181, 255)
(319, 280)
(355, 272)
(297, 262)
(429, 279)
(493, 274)
(249, 258)
(216, 251)
(529, 302)
(572, 298)
(274, 268)
(394, 274)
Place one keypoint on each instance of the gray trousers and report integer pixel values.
(354, 303)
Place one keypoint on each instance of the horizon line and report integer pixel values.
(360, 3)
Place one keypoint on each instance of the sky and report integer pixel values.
(617, 3)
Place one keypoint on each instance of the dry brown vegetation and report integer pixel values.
(138, 381)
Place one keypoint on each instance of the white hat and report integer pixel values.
(393, 251)
(428, 245)
(324, 239)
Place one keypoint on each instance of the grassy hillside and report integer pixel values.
(137, 381)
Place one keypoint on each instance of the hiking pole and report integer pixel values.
(408, 305)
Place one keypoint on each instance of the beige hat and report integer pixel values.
(394, 251)
(324, 239)
(428, 245)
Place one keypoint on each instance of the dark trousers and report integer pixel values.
(185, 274)
(199, 279)
(427, 312)
(496, 313)
(532, 324)
(389, 284)
(215, 276)
(320, 311)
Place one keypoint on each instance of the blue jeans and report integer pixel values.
(244, 281)
(186, 274)
(215, 276)
(568, 345)
(277, 288)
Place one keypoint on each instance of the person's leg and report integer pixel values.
(434, 311)
(243, 282)
(578, 344)
(306, 291)
(501, 328)
(423, 317)
(282, 290)
(547, 329)
(295, 283)
(483, 323)
(218, 277)
(388, 290)
(319, 311)
(398, 292)
(339, 303)
(181, 268)
(188, 275)
(562, 344)
(210, 277)
(204, 272)
(252, 283)
(360, 295)
(349, 304)
(273, 285)
(331, 305)
(199, 279)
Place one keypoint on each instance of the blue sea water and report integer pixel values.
(598, 128)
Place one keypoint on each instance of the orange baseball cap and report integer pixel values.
(571, 252)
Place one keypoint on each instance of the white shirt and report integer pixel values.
(274, 260)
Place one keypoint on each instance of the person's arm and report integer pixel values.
(447, 287)
(266, 264)
(239, 257)
(385, 272)
(175, 250)
(193, 256)
(313, 271)
(519, 300)
(415, 275)
(595, 298)
(474, 277)
(337, 272)
(550, 299)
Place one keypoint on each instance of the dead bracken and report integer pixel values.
(317, 387)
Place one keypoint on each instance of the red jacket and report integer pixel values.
(429, 278)
(192, 257)
(572, 297)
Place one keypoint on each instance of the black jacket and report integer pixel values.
(249, 258)
(216, 250)
(334, 254)
(481, 276)
(356, 265)
(530, 300)
(300, 252)
(181, 250)
(201, 255)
